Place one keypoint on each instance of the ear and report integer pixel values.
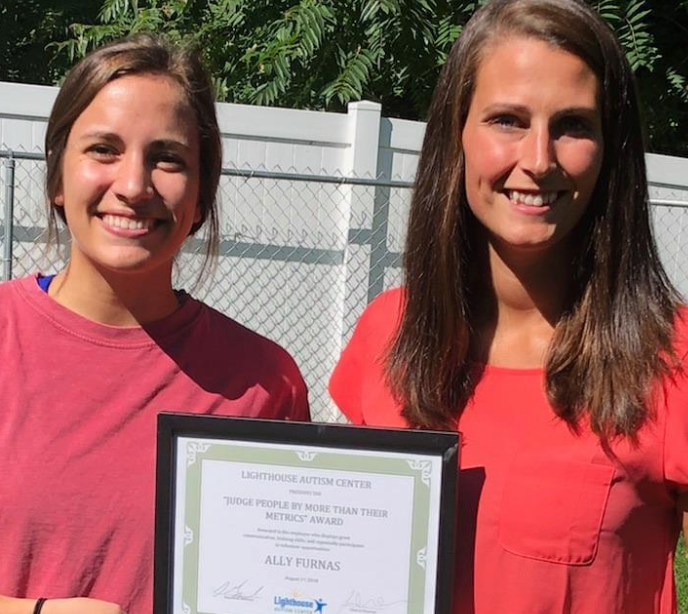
(59, 195)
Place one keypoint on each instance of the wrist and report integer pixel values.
(16, 605)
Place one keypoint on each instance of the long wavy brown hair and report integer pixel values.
(614, 338)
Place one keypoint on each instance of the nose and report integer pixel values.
(133, 183)
(538, 157)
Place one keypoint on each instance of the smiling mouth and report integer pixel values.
(533, 199)
(129, 223)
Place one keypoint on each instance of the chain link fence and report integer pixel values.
(301, 254)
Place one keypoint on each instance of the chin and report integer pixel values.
(527, 244)
(128, 264)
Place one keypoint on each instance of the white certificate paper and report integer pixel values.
(266, 528)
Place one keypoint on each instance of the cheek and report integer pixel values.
(84, 177)
(178, 190)
(582, 162)
(487, 161)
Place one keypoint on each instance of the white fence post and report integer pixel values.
(365, 139)
(9, 219)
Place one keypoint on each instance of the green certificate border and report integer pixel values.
(269, 456)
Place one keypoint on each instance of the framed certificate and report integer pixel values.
(263, 517)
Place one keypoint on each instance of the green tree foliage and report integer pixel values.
(27, 27)
(652, 33)
(321, 54)
(317, 54)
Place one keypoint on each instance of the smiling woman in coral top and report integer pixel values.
(90, 356)
(537, 320)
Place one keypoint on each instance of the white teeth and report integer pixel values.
(127, 223)
(532, 200)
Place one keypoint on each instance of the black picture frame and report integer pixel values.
(444, 446)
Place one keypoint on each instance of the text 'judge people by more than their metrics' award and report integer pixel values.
(261, 517)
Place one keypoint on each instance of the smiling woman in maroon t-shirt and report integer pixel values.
(91, 356)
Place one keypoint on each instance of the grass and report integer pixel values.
(681, 570)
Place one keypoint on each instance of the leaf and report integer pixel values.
(321, 54)
(678, 83)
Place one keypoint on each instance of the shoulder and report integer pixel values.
(681, 332)
(358, 383)
(390, 302)
(17, 291)
(237, 357)
(376, 327)
(10, 289)
(674, 411)
(382, 317)
(221, 331)
(24, 315)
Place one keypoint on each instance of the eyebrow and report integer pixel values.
(583, 111)
(169, 144)
(157, 144)
(505, 106)
(101, 134)
(589, 112)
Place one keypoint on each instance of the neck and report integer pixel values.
(113, 298)
(530, 285)
(523, 296)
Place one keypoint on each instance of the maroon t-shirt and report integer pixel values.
(78, 407)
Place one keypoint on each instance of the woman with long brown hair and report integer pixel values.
(536, 319)
(91, 355)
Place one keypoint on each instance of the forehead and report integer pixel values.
(521, 70)
(144, 102)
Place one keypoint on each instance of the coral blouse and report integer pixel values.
(549, 521)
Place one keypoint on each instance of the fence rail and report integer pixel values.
(300, 256)
(294, 249)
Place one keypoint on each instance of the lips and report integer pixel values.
(128, 223)
(533, 199)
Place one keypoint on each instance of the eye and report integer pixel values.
(572, 125)
(507, 122)
(102, 151)
(169, 161)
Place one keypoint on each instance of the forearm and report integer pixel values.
(76, 605)
(13, 605)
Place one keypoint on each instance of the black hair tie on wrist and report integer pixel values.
(39, 605)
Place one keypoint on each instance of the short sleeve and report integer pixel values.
(676, 446)
(294, 405)
(345, 382)
(300, 410)
(360, 367)
(676, 426)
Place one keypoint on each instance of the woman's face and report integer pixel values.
(130, 175)
(532, 143)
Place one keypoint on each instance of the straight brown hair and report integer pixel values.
(136, 55)
(615, 337)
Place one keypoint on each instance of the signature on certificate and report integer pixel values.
(239, 592)
(357, 602)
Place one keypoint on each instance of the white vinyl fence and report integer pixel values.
(313, 210)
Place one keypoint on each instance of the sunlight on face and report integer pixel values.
(532, 142)
(130, 175)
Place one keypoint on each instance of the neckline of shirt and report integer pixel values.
(489, 369)
(103, 334)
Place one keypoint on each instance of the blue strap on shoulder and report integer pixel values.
(44, 281)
